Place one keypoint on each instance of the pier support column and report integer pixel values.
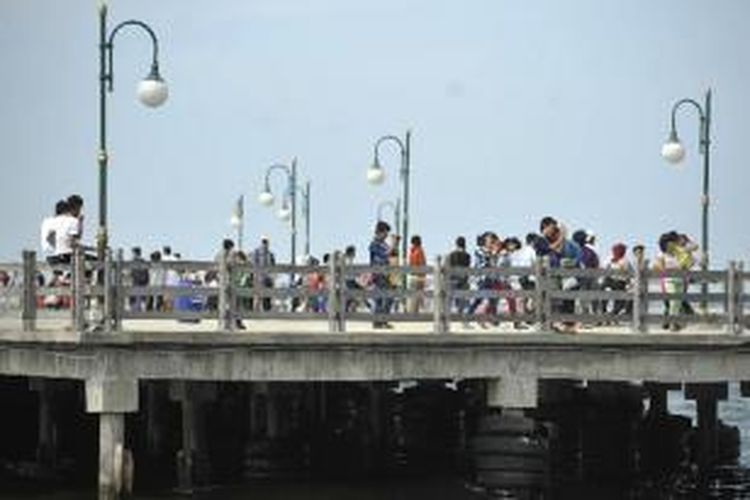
(657, 396)
(512, 392)
(706, 397)
(156, 399)
(46, 451)
(192, 460)
(112, 399)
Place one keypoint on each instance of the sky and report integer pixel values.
(518, 109)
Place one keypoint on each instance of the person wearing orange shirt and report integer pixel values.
(417, 280)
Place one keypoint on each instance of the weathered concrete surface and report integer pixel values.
(383, 356)
(111, 395)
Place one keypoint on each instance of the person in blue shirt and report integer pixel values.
(379, 256)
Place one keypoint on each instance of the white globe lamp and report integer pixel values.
(265, 198)
(152, 90)
(673, 151)
(284, 213)
(375, 174)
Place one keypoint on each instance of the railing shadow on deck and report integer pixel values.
(103, 295)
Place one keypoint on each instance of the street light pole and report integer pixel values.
(266, 198)
(238, 219)
(673, 151)
(152, 91)
(376, 175)
(306, 212)
(395, 207)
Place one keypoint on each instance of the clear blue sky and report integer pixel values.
(518, 108)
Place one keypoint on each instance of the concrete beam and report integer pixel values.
(512, 392)
(111, 396)
(717, 391)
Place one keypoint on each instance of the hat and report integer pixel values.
(264, 237)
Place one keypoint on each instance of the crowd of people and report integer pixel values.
(63, 231)
(558, 250)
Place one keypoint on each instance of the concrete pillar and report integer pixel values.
(192, 458)
(111, 399)
(512, 392)
(156, 400)
(706, 397)
(46, 451)
(657, 395)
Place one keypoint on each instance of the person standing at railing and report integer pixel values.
(668, 261)
(685, 252)
(565, 254)
(485, 258)
(156, 279)
(380, 256)
(525, 257)
(511, 246)
(589, 260)
(619, 282)
(139, 277)
(264, 258)
(459, 258)
(417, 281)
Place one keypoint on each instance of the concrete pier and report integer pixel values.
(111, 399)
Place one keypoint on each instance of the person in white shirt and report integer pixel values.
(525, 257)
(67, 231)
(47, 230)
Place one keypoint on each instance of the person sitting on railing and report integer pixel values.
(620, 282)
(380, 256)
(66, 228)
(49, 228)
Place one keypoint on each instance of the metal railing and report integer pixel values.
(103, 295)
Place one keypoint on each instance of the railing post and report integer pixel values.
(79, 283)
(440, 297)
(225, 294)
(29, 291)
(741, 297)
(335, 315)
(731, 297)
(638, 299)
(541, 305)
(118, 297)
(107, 290)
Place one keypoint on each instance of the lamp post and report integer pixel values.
(152, 92)
(673, 151)
(305, 193)
(376, 175)
(395, 207)
(237, 220)
(285, 212)
(288, 210)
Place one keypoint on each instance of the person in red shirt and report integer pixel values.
(417, 280)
